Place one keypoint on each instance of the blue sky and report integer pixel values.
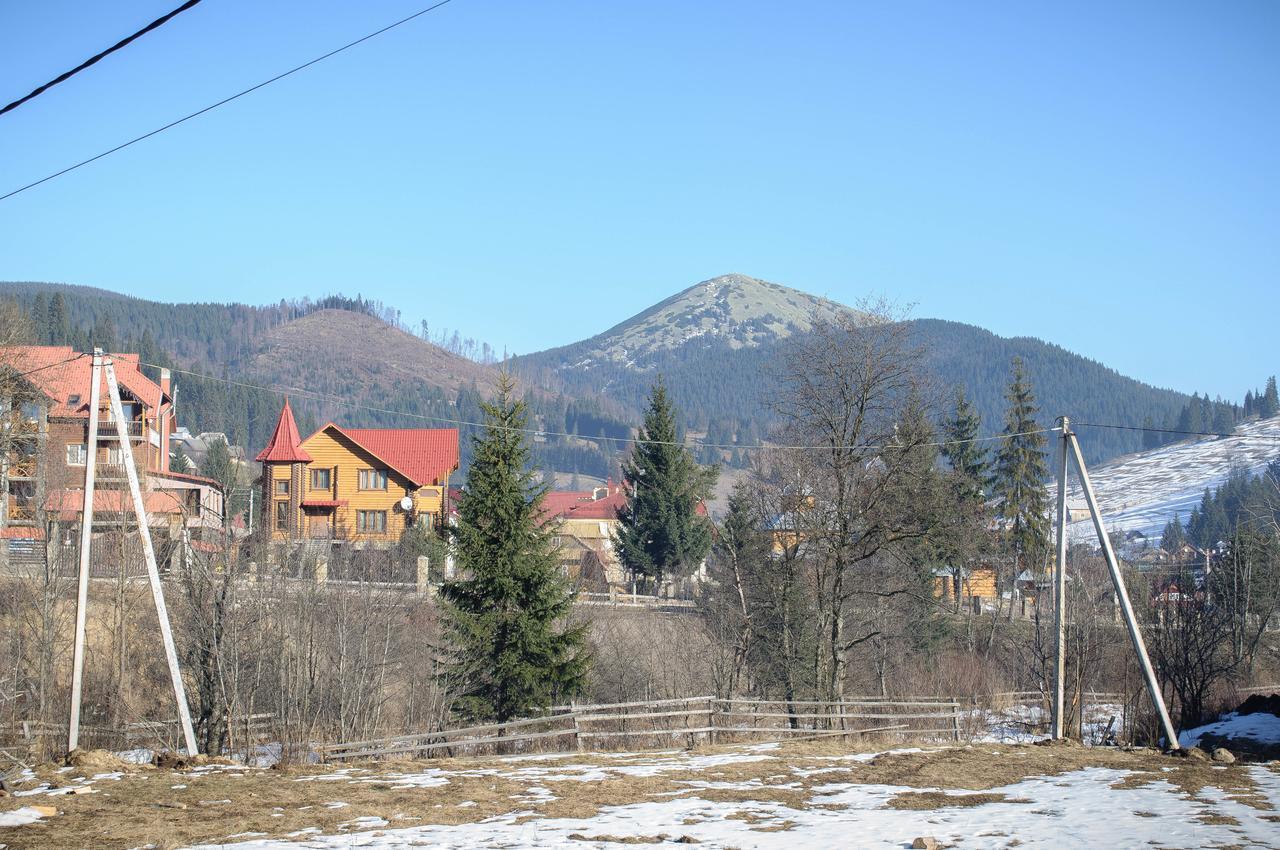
(1101, 175)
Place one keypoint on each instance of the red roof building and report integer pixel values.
(285, 445)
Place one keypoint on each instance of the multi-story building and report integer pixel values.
(45, 453)
(357, 485)
(586, 522)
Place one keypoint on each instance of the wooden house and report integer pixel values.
(358, 485)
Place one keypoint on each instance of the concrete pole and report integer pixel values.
(149, 553)
(1060, 592)
(86, 540)
(1122, 596)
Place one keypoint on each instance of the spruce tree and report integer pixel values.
(59, 328)
(962, 450)
(1020, 473)
(513, 651)
(1174, 536)
(660, 533)
(1269, 404)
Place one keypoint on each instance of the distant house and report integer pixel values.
(42, 473)
(957, 584)
(586, 523)
(358, 485)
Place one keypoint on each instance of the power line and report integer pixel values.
(225, 100)
(1180, 433)
(158, 22)
(304, 393)
(47, 366)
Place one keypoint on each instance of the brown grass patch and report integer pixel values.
(922, 800)
(143, 807)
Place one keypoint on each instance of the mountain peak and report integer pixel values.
(735, 310)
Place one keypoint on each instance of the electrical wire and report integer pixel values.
(1180, 433)
(314, 396)
(225, 100)
(47, 366)
(158, 22)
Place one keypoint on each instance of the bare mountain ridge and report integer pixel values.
(344, 347)
(733, 309)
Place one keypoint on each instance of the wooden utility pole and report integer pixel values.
(101, 364)
(1070, 443)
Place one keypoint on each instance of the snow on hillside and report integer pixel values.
(1142, 492)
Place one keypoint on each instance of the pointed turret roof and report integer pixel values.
(285, 445)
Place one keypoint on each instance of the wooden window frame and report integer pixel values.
(328, 476)
(368, 474)
(282, 515)
(82, 454)
(371, 522)
(281, 487)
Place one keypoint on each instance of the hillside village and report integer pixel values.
(578, 425)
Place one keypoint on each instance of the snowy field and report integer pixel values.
(763, 796)
(1142, 492)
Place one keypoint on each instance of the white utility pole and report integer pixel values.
(101, 364)
(1122, 597)
(86, 536)
(1060, 592)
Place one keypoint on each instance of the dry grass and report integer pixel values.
(145, 807)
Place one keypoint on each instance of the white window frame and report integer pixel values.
(81, 455)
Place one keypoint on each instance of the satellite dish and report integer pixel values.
(406, 504)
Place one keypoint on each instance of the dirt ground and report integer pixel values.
(166, 808)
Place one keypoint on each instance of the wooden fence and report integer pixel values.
(681, 722)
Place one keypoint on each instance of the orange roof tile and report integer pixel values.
(64, 376)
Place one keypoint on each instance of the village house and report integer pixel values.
(355, 485)
(42, 471)
(586, 521)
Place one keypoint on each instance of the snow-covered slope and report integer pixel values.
(1142, 492)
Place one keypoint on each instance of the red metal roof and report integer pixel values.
(423, 455)
(285, 445)
(62, 373)
(581, 504)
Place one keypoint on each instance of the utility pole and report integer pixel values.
(1122, 596)
(86, 537)
(103, 364)
(1060, 591)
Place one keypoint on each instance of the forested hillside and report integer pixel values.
(338, 358)
(726, 390)
(715, 344)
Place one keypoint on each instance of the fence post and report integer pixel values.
(711, 721)
(577, 729)
(955, 719)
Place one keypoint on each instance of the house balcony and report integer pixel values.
(133, 428)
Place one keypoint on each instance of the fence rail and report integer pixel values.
(693, 719)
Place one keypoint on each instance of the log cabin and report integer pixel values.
(354, 485)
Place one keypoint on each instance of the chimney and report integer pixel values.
(166, 418)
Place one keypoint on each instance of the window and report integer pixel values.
(282, 487)
(282, 516)
(114, 456)
(31, 411)
(321, 479)
(73, 400)
(77, 454)
(371, 521)
(373, 479)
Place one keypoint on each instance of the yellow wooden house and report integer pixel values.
(359, 485)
